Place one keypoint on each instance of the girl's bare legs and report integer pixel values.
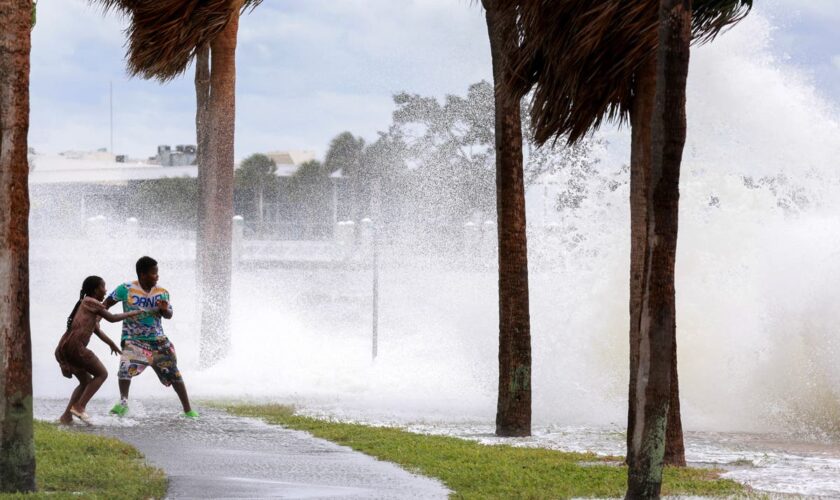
(99, 375)
(84, 380)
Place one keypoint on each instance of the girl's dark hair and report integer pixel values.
(89, 285)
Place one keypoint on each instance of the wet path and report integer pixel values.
(221, 456)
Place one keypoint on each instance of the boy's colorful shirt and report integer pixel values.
(144, 327)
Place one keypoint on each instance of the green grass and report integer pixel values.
(78, 465)
(473, 470)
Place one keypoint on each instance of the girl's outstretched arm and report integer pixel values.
(104, 338)
(113, 318)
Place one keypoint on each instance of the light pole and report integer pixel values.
(377, 215)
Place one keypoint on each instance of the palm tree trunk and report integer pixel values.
(658, 314)
(640, 117)
(17, 449)
(202, 132)
(216, 197)
(641, 114)
(513, 414)
(674, 442)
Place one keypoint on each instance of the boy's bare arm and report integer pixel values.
(165, 310)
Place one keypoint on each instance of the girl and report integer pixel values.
(72, 353)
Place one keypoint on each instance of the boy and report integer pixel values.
(143, 341)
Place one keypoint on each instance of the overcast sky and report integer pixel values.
(309, 69)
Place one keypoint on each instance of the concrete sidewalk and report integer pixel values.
(221, 456)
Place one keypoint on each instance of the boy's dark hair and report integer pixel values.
(144, 265)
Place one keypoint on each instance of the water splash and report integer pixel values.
(756, 280)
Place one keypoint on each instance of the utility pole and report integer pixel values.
(376, 211)
(111, 103)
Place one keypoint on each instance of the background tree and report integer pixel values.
(513, 410)
(436, 163)
(385, 160)
(170, 201)
(450, 150)
(255, 174)
(310, 192)
(345, 154)
(589, 62)
(17, 450)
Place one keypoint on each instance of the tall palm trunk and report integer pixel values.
(17, 450)
(674, 443)
(513, 414)
(641, 113)
(658, 314)
(202, 133)
(216, 197)
(640, 119)
(202, 106)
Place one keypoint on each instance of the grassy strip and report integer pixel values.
(473, 470)
(78, 465)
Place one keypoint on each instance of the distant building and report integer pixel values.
(107, 170)
(289, 161)
(183, 155)
(69, 188)
(101, 154)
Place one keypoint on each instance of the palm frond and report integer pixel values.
(580, 57)
(163, 35)
(250, 5)
(712, 17)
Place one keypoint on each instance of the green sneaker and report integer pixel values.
(191, 414)
(119, 409)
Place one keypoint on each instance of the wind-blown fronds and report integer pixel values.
(163, 35)
(710, 17)
(580, 57)
(250, 5)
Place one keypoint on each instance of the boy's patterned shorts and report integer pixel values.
(161, 357)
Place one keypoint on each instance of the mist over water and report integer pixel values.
(757, 268)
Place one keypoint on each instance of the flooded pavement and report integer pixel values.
(775, 464)
(766, 463)
(221, 456)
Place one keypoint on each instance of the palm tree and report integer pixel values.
(216, 182)
(17, 449)
(255, 173)
(513, 411)
(657, 323)
(346, 153)
(164, 37)
(708, 19)
(593, 61)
